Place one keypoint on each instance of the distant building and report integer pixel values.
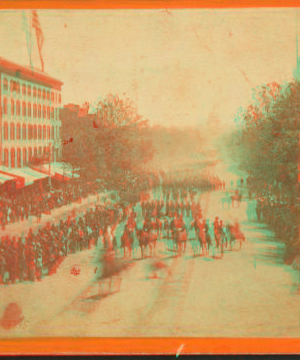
(72, 107)
(29, 116)
(80, 111)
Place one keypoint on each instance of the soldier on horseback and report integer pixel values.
(180, 234)
(147, 236)
(131, 227)
(224, 236)
(147, 225)
(201, 234)
(207, 235)
(127, 240)
(195, 224)
(217, 232)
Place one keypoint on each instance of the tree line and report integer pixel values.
(112, 139)
(265, 144)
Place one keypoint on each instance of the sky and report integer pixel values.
(176, 65)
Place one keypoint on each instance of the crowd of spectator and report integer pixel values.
(20, 206)
(282, 218)
(40, 253)
(279, 212)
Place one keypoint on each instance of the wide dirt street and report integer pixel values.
(248, 293)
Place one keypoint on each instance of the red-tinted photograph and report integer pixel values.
(149, 178)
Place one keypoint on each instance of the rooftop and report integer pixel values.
(29, 74)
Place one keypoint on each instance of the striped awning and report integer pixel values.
(27, 174)
(7, 177)
(4, 177)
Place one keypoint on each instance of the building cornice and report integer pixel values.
(29, 74)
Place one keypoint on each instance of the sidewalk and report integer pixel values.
(40, 301)
(21, 228)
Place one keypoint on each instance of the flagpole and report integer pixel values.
(26, 25)
(30, 44)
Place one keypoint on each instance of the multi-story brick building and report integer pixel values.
(29, 115)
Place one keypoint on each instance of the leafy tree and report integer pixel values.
(110, 140)
(122, 134)
(265, 142)
(80, 152)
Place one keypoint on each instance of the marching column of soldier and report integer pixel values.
(176, 215)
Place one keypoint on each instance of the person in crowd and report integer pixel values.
(2, 265)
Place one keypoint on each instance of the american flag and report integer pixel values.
(65, 142)
(95, 125)
(39, 34)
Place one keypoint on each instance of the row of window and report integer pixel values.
(26, 90)
(37, 110)
(34, 132)
(31, 154)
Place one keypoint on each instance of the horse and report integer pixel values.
(195, 241)
(111, 271)
(217, 238)
(127, 241)
(236, 199)
(208, 241)
(223, 237)
(226, 200)
(180, 239)
(146, 239)
(236, 236)
(200, 237)
(202, 241)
